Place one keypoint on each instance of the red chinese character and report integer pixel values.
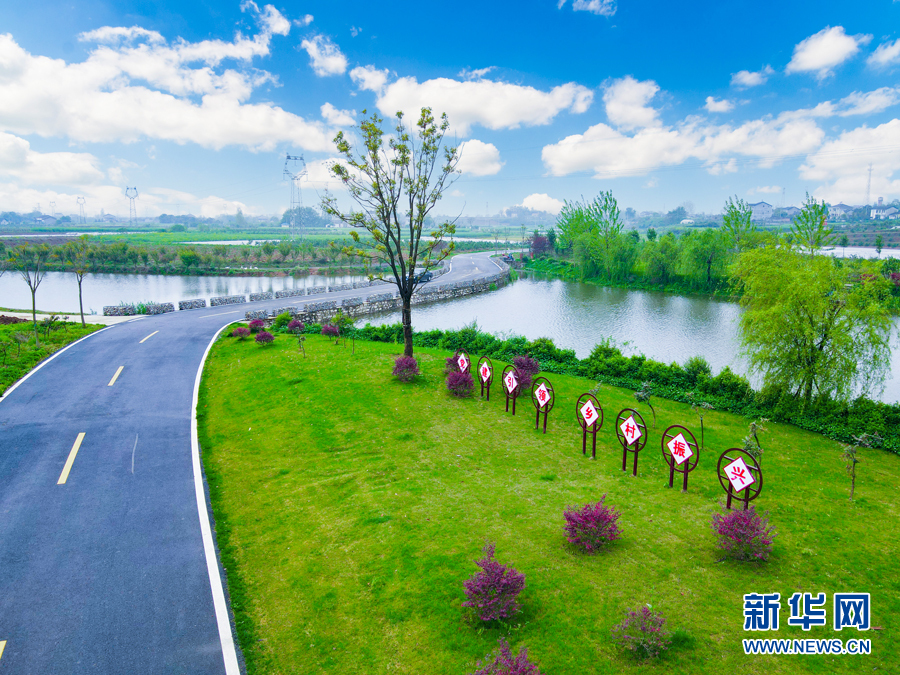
(629, 430)
(542, 395)
(679, 449)
(738, 475)
(589, 413)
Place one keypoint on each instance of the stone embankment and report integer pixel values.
(162, 308)
(318, 312)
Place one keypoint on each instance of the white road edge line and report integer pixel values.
(212, 565)
(209, 316)
(48, 360)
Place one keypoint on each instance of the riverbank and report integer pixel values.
(347, 538)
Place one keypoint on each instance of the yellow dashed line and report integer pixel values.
(115, 377)
(68, 467)
(148, 337)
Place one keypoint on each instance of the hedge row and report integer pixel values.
(725, 391)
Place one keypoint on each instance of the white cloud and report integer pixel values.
(325, 56)
(712, 105)
(609, 152)
(319, 176)
(822, 52)
(598, 7)
(336, 117)
(369, 78)
(479, 159)
(542, 202)
(868, 103)
(493, 105)
(18, 161)
(887, 54)
(136, 85)
(467, 74)
(304, 21)
(765, 190)
(842, 164)
(354, 31)
(744, 79)
(112, 199)
(626, 103)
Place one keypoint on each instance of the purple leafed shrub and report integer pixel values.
(264, 337)
(406, 368)
(744, 535)
(296, 326)
(643, 632)
(257, 325)
(330, 330)
(592, 527)
(492, 592)
(505, 663)
(460, 384)
(528, 368)
(451, 365)
(240, 332)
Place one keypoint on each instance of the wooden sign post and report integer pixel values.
(589, 416)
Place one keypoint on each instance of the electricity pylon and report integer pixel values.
(131, 193)
(299, 171)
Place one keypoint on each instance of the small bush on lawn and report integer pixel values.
(493, 591)
(257, 325)
(528, 368)
(296, 326)
(593, 526)
(330, 330)
(643, 632)
(505, 663)
(406, 368)
(460, 384)
(240, 333)
(744, 535)
(264, 337)
(281, 321)
(451, 364)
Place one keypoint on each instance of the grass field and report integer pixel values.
(17, 358)
(350, 507)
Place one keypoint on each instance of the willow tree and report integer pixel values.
(812, 327)
(396, 180)
(810, 226)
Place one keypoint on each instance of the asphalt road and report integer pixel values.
(106, 560)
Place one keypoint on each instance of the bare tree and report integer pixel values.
(77, 257)
(396, 181)
(30, 262)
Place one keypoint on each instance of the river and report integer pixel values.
(575, 316)
(58, 291)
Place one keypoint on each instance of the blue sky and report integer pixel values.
(196, 103)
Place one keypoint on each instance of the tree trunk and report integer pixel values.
(34, 316)
(407, 326)
(80, 304)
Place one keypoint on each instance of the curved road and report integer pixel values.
(107, 564)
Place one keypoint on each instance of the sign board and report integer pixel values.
(510, 381)
(589, 413)
(630, 430)
(680, 449)
(542, 394)
(485, 372)
(739, 475)
(463, 363)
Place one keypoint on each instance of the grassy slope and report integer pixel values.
(350, 508)
(14, 367)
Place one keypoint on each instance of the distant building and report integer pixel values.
(687, 221)
(762, 211)
(45, 220)
(790, 211)
(839, 211)
(882, 211)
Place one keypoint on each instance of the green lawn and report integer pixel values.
(350, 508)
(17, 358)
